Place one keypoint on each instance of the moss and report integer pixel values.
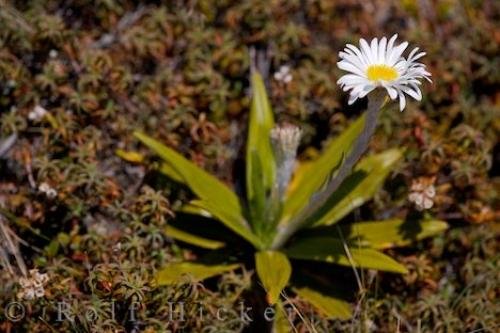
(103, 69)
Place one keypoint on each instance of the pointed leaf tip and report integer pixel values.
(274, 270)
(182, 272)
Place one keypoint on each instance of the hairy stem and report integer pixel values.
(375, 102)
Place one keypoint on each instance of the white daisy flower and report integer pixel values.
(381, 64)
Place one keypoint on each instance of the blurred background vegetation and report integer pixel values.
(77, 77)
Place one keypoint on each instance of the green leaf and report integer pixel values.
(258, 202)
(274, 270)
(136, 157)
(172, 173)
(321, 168)
(332, 250)
(186, 237)
(260, 163)
(182, 272)
(369, 175)
(217, 198)
(195, 207)
(330, 306)
(52, 249)
(201, 182)
(130, 156)
(390, 233)
(281, 323)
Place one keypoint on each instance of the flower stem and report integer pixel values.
(375, 102)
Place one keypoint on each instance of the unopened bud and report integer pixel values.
(285, 140)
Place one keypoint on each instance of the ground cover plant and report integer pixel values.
(82, 226)
(326, 191)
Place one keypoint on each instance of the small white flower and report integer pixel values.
(283, 74)
(45, 188)
(53, 54)
(37, 113)
(422, 193)
(33, 285)
(381, 64)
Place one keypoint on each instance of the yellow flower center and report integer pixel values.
(381, 72)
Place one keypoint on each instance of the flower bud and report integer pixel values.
(285, 140)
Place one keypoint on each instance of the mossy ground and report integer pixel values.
(179, 71)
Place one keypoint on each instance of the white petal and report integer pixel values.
(358, 89)
(347, 66)
(391, 91)
(396, 54)
(417, 90)
(366, 90)
(356, 51)
(412, 53)
(348, 83)
(366, 50)
(390, 47)
(382, 49)
(374, 49)
(418, 56)
(391, 42)
(402, 101)
(350, 79)
(401, 66)
(355, 60)
(352, 99)
(412, 93)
